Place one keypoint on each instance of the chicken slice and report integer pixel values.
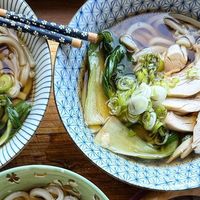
(175, 59)
(180, 123)
(185, 88)
(182, 105)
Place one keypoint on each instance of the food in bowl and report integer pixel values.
(16, 80)
(46, 182)
(54, 191)
(141, 87)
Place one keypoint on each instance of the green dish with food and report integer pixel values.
(47, 182)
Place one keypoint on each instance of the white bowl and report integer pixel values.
(41, 85)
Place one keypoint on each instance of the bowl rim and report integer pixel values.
(54, 169)
(51, 64)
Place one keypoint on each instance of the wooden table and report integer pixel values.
(51, 144)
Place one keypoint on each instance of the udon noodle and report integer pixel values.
(16, 80)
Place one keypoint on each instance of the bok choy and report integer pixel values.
(119, 139)
(95, 109)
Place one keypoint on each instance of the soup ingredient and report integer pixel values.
(6, 83)
(182, 105)
(185, 88)
(149, 73)
(130, 144)
(175, 25)
(196, 135)
(128, 42)
(180, 123)
(17, 195)
(183, 147)
(175, 58)
(156, 49)
(15, 83)
(95, 108)
(5, 136)
(54, 191)
(137, 104)
(14, 115)
(186, 40)
(4, 39)
(111, 66)
(39, 192)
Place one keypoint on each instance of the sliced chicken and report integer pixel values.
(196, 136)
(175, 59)
(185, 88)
(180, 123)
(182, 105)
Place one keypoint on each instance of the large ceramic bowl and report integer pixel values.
(96, 15)
(41, 85)
(30, 176)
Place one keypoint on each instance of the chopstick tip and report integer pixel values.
(3, 12)
(93, 37)
(76, 43)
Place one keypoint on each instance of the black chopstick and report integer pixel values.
(52, 26)
(37, 31)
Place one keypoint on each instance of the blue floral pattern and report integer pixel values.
(96, 15)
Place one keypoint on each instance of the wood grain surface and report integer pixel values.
(51, 144)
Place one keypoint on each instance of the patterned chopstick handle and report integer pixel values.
(34, 30)
(52, 26)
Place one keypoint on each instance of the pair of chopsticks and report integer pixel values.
(48, 30)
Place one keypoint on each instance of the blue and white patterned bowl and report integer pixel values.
(41, 85)
(96, 15)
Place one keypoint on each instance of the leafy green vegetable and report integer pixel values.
(5, 136)
(13, 116)
(95, 109)
(119, 139)
(23, 108)
(111, 64)
(109, 41)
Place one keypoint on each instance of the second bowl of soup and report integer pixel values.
(130, 102)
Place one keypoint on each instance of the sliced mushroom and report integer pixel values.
(180, 123)
(175, 25)
(183, 147)
(182, 105)
(185, 18)
(128, 41)
(186, 40)
(175, 59)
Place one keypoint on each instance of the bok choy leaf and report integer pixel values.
(119, 139)
(95, 110)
